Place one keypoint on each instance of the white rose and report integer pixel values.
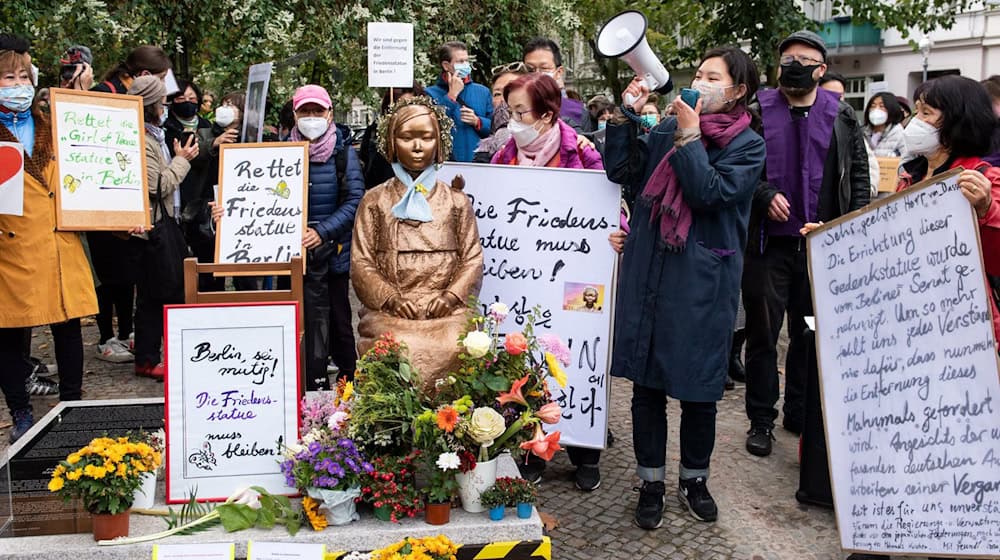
(499, 311)
(486, 425)
(477, 343)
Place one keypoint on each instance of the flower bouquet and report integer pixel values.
(426, 548)
(325, 464)
(391, 488)
(388, 397)
(104, 475)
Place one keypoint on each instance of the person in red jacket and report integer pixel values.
(952, 127)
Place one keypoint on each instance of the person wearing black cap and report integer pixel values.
(816, 170)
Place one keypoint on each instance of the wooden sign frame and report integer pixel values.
(98, 220)
(813, 236)
(220, 197)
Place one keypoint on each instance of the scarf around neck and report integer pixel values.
(414, 205)
(663, 191)
(541, 149)
(320, 150)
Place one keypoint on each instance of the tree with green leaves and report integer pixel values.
(680, 30)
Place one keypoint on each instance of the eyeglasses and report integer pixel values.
(515, 67)
(802, 59)
(518, 115)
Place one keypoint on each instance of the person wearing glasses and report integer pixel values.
(467, 103)
(816, 170)
(499, 135)
(543, 55)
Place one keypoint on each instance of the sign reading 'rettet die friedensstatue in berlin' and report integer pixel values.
(909, 376)
(545, 244)
(232, 397)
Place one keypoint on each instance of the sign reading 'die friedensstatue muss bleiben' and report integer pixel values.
(263, 192)
(908, 363)
(544, 234)
(232, 397)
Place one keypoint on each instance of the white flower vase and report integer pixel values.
(338, 506)
(145, 496)
(471, 485)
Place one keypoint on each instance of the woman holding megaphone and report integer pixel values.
(681, 267)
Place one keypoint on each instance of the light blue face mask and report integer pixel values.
(601, 125)
(649, 121)
(17, 98)
(462, 70)
(163, 116)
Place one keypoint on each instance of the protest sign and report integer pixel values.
(11, 178)
(390, 54)
(100, 146)
(232, 397)
(263, 192)
(908, 367)
(888, 168)
(255, 105)
(545, 243)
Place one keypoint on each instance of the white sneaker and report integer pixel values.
(115, 351)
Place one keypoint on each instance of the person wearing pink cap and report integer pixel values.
(334, 193)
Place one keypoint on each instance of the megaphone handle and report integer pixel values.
(630, 99)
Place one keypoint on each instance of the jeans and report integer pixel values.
(775, 283)
(649, 435)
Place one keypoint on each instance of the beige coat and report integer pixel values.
(170, 174)
(44, 274)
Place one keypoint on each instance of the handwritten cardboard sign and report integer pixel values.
(11, 178)
(545, 242)
(390, 54)
(888, 178)
(909, 376)
(232, 397)
(264, 194)
(100, 144)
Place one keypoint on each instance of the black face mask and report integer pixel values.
(797, 76)
(185, 109)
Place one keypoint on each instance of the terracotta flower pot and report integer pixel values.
(110, 526)
(437, 514)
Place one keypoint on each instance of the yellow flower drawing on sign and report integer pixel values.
(281, 190)
(71, 183)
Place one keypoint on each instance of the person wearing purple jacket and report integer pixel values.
(540, 139)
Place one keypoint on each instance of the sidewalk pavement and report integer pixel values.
(759, 518)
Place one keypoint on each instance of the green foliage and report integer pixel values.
(494, 496)
(680, 30)
(215, 42)
(189, 512)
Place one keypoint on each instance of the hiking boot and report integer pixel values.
(153, 371)
(22, 423)
(759, 440)
(40, 387)
(588, 478)
(114, 351)
(649, 512)
(694, 494)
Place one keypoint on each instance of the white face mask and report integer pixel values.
(523, 133)
(312, 127)
(921, 138)
(878, 117)
(225, 115)
(163, 115)
(713, 98)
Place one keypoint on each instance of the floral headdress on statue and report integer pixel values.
(400, 112)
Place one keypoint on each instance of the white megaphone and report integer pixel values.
(624, 37)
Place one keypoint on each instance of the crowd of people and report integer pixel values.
(717, 197)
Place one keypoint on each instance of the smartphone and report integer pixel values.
(185, 137)
(690, 96)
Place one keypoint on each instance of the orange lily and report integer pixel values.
(514, 395)
(544, 446)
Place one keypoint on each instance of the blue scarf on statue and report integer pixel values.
(413, 205)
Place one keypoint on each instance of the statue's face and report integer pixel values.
(416, 138)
